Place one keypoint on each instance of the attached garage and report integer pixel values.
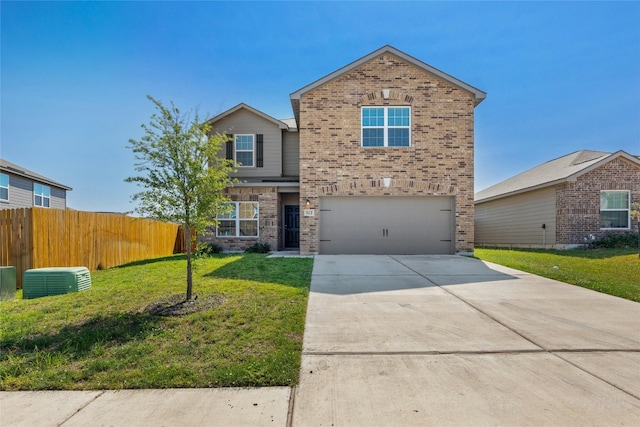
(387, 225)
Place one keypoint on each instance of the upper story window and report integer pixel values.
(242, 221)
(244, 150)
(386, 126)
(4, 187)
(614, 209)
(41, 195)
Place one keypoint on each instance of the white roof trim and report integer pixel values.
(12, 168)
(241, 106)
(479, 95)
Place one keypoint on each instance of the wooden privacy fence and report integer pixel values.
(40, 237)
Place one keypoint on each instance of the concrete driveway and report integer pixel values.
(448, 340)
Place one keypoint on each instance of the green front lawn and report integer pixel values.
(249, 333)
(611, 271)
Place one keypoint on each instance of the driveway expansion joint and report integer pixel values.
(418, 353)
(599, 377)
(292, 398)
(444, 288)
(466, 352)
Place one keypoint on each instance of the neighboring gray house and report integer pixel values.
(22, 188)
(561, 202)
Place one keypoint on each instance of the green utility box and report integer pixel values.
(7, 283)
(42, 282)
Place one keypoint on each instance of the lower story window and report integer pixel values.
(614, 209)
(41, 195)
(241, 221)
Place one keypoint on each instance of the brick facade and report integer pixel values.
(439, 161)
(578, 203)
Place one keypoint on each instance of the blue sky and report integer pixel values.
(559, 76)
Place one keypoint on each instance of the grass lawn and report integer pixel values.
(611, 271)
(108, 338)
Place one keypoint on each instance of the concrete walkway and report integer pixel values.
(152, 408)
(410, 341)
(453, 341)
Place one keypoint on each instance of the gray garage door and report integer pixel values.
(387, 225)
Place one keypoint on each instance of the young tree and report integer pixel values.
(182, 176)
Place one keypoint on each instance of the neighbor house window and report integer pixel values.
(241, 221)
(4, 187)
(244, 150)
(614, 209)
(386, 126)
(41, 195)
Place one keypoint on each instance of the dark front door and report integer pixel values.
(291, 226)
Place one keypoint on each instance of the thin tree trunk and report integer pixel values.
(187, 240)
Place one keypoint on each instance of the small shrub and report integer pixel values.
(617, 240)
(258, 248)
(208, 248)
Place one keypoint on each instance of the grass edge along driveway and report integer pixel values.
(107, 338)
(610, 271)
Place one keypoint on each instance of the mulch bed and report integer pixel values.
(176, 305)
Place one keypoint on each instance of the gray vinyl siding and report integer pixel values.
(517, 220)
(21, 194)
(245, 122)
(58, 198)
(291, 154)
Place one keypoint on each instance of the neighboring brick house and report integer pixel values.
(378, 159)
(561, 202)
(22, 188)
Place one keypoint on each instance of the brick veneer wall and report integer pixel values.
(268, 223)
(439, 161)
(578, 203)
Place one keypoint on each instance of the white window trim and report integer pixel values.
(41, 195)
(7, 187)
(237, 220)
(385, 126)
(253, 151)
(628, 227)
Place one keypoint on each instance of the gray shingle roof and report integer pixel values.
(478, 95)
(555, 171)
(257, 112)
(9, 167)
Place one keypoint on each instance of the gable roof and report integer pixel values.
(478, 95)
(563, 169)
(14, 169)
(241, 106)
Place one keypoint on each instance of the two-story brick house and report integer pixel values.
(378, 159)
